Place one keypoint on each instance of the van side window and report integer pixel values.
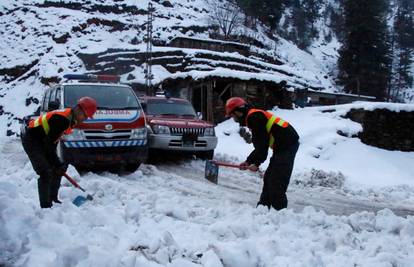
(46, 100)
(52, 104)
(58, 94)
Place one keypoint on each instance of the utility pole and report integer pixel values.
(148, 61)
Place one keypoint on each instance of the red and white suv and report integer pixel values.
(174, 125)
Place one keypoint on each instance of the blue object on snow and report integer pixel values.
(79, 200)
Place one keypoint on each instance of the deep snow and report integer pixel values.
(168, 215)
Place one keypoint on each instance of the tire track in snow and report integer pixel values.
(248, 185)
(187, 177)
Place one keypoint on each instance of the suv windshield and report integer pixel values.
(107, 97)
(170, 107)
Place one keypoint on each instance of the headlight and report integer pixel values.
(140, 133)
(161, 129)
(209, 131)
(74, 136)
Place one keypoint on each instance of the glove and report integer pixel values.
(253, 168)
(247, 166)
(244, 166)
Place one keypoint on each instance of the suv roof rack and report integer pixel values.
(92, 77)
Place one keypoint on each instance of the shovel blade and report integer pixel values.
(211, 171)
(79, 200)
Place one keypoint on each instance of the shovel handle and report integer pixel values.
(225, 164)
(73, 182)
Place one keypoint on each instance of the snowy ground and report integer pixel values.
(339, 214)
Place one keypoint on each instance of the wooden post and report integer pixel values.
(202, 100)
(209, 102)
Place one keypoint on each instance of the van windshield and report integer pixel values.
(107, 97)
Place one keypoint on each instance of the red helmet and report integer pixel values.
(88, 105)
(233, 103)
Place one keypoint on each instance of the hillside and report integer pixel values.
(42, 40)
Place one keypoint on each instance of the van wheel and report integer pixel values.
(154, 156)
(82, 170)
(132, 167)
(205, 154)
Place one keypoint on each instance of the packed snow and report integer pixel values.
(349, 205)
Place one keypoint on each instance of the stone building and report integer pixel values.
(210, 44)
(209, 95)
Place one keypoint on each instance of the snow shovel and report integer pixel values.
(212, 168)
(79, 200)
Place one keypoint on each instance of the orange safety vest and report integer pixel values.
(42, 120)
(271, 120)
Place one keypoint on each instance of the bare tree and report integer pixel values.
(226, 15)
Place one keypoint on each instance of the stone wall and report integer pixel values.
(386, 129)
(213, 45)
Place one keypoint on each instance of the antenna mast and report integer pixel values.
(148, 61)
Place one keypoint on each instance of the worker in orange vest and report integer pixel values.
(267, 131)
(40, 138)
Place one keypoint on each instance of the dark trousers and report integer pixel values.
(277, 178)
(48, 183)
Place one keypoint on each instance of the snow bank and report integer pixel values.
(343, 109)
(169, 215)
(151, 220)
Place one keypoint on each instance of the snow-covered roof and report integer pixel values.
(241, 75)
(175, 63)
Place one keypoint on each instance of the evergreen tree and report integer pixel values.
(336, 21)
(364, 62)
(299, 25)
(404, 38)
(300, 34)
(311, 9)
(267, 11)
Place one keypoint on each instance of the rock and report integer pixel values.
(61, 39)
(167, 4)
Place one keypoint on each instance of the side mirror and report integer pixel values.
(199, 115)
(53, 105)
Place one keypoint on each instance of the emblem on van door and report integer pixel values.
(108, 127)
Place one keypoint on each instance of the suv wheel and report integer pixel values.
(132, 167)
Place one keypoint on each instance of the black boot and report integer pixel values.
(56, 200)
(54, 189)
(43, 187)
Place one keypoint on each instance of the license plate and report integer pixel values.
(189, 137)
(188, 143)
